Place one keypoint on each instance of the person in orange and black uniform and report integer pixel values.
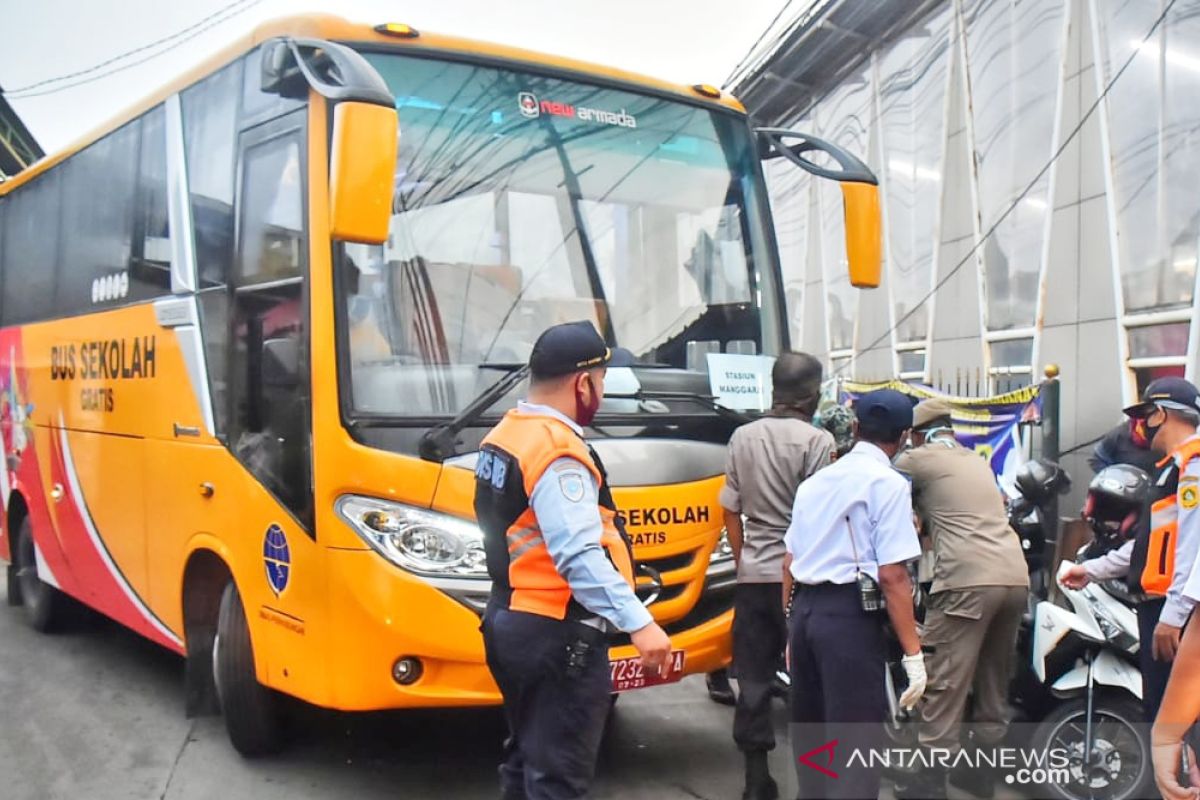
(561, 569)
(1157, 562)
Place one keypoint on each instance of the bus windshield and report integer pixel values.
(522, 201)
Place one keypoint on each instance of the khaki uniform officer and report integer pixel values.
(980, 584)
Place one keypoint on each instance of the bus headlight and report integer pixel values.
(416, 540)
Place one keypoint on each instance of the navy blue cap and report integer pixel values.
(1170, 392)
(571, 347)
(884, 409)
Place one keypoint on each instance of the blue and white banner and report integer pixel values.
(988, 425)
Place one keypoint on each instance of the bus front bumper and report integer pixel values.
(379, 615)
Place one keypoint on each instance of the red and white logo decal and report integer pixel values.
(528, 103)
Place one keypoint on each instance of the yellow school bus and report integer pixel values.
(254, 329)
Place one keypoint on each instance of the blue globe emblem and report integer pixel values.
(278, 559)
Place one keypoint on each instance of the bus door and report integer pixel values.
(268, 390)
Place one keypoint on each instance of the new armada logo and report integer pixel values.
(532, 108)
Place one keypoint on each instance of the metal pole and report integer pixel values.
(1051, 395)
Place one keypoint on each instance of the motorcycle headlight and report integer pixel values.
(419, 541)
(1111, 628)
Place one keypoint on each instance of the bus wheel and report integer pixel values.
(250, 709)
(45, 606)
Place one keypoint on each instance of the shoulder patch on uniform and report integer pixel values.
(571, 485)
(492, 468)
(1189, 479)
(1189, 496)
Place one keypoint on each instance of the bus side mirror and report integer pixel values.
(362, 171)
(860, 197)
(864, 239)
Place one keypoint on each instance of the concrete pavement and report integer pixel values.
(97, 712)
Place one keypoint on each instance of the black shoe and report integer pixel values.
(977, 782)
(719, 690)
(781, 685)
(759, 783)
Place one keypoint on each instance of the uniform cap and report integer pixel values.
(571, 347)
(1170, 392)
(885, 409)
(927, 412)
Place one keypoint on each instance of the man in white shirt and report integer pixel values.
(851, 526)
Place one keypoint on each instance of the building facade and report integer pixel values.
(18, 148)
(1039, 162)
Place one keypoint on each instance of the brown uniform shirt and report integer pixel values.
(768, 458)
(956, 496)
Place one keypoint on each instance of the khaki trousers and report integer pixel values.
(972, 634)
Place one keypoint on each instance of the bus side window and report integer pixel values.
(268, 370)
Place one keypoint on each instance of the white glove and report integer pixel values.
(914, 668)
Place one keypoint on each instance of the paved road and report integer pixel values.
(97, 712)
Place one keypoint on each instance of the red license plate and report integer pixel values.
(628, 673)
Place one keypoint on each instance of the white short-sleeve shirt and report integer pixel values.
(859, 493)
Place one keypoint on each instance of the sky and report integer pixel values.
(688, 41)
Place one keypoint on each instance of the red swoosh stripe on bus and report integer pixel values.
(93, 567)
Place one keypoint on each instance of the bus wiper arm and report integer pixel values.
(706, 400)
(441, 441)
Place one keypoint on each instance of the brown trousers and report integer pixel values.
(972, 634)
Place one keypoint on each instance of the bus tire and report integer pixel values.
(45, 606)
(14, 587)
(250, 709)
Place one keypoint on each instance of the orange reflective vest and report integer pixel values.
(1153, 565)
(512, 459)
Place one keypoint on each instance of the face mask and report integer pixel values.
(1152, 430)
(586, 406)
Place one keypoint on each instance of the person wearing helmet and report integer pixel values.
(839, 421)
(1157, 561)
(980, 583)
(1115, 505)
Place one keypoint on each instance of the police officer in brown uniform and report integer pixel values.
(980, 583)
(561, 570)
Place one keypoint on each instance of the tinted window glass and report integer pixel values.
(272, 216)
(210, 136)
(30, 243)
(257, 105)
(98, 200)
(151, 268)
(268, 363)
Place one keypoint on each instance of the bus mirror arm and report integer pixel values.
(290, 66)
(860, 197)
(850, 167)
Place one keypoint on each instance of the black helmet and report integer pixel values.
(1039, 480)
(1115, 498)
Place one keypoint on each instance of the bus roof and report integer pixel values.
(327, 26)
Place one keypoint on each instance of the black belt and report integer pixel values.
(824, 588)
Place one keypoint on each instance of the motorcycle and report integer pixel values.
(1083, 659)
(1077, 676)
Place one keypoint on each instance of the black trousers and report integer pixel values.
(555, 713)
(759, 636)
(1155, 674)
(839, 693)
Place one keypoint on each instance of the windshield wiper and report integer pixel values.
(441, 441)
(706, 400)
